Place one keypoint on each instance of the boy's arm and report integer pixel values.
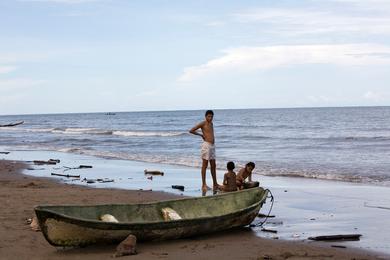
(250, 177)
(224, 180)
(195, 128)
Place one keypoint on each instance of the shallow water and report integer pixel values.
(351, 144)
(303, 207)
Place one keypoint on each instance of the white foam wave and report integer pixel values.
(97, 131)
(140, 133)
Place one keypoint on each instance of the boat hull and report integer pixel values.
(64, 230)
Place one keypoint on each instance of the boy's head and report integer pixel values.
(250, 166)
(230, 166)
(209, 115)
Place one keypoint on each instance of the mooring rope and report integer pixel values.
(269, 195)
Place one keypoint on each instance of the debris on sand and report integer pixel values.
(178, 187)
(154, 172)
(127, 247)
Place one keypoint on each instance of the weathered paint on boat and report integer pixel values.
(67, 225)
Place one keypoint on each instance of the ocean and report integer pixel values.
(348, 144)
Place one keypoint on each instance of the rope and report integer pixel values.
(269, 195)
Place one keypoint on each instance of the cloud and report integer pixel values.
(376, 96)
(6, 69)
(271, 57)
(9, 85)
(313, 20)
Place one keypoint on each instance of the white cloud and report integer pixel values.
(6, 69)
(19, 83)
(298, 21)
(270, 57)
(376, 96)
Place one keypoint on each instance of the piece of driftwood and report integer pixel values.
(348, 237)
(40, 162)
(178, 187)
(85, 167)
(154, 172)
(261, 215)
(269, 230)
(105, 180)
(79, 167)
(338, 246)
(375, 207)
(12, 124)
(55, 160)
(4, 152)
(65, 175)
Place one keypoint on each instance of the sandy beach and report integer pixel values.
(20, 193)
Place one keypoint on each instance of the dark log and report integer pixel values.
(85, 166)
(178, 187)
(337, 246)
(4, 152)
(269, 230)
(348, 237)
(40, 162)
(265, 216)
(76, 168)
(12, 124)
(154, 172)
(66, 175)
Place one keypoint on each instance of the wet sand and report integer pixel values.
(20, 193)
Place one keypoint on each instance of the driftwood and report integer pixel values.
(4, 152)
(261, 215)
(66, 175)
(375, 207)
(348, 237)
(40, 162)
(338, 246)
(154, 172)
(105, 180)
(12, 124)
(79, 167)
(97, 180)
(178, 187)
(269, 230)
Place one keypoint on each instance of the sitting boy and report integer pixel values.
(229, 179)
(243, 174)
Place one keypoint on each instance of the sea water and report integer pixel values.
(349, 144)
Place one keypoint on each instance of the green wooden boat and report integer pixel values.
(70, 225)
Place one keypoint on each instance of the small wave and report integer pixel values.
(97, 131)
(140, 133)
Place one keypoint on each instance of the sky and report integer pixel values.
(68, 56)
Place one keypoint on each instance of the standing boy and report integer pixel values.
(207, 148)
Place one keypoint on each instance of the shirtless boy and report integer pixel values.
(207, 148)
(245, 173)
(229, 179)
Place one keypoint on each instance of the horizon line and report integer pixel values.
(200, 109)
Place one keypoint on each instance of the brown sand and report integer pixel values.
(20, 193)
